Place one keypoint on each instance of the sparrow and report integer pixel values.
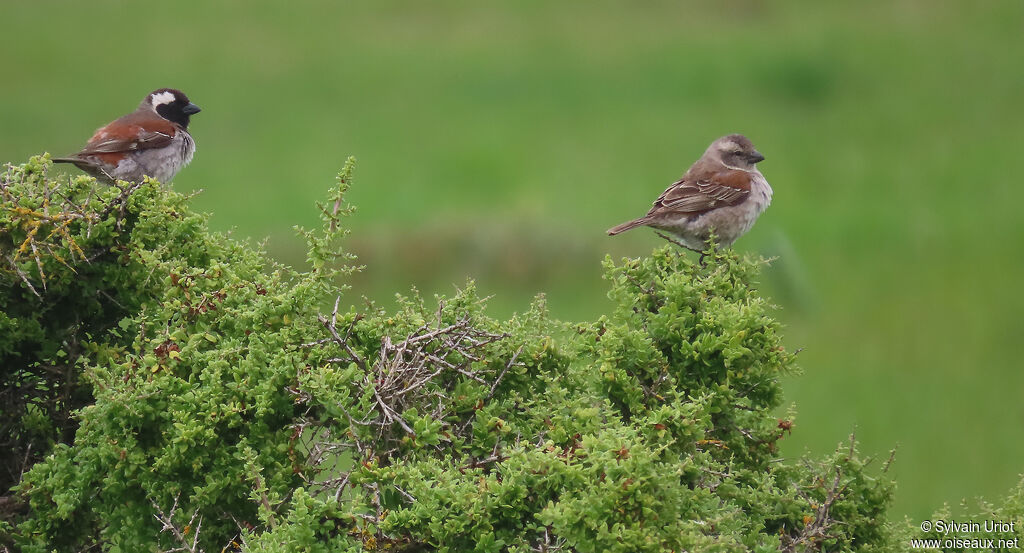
(723, 193)
(151, 141)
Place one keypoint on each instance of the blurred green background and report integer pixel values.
(500, 141)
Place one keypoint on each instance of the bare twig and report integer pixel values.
(181, 534)
(512, 361)
(818, 528)
(417, 371)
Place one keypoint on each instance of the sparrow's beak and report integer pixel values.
(756, 157)
(190, 109)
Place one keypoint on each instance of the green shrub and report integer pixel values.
(178, 344)
(174, 389)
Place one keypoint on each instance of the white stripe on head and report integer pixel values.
(163, 98)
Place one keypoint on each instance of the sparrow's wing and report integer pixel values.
(698, 193)
(130, 133)
(141, 140)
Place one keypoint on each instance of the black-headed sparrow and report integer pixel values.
(151, 141)
(723, 192)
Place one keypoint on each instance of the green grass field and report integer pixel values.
(500, 142)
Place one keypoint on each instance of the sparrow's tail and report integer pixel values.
(64, 160)
(627, 225)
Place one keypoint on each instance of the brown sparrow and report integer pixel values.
(151, 141)
(722, 193)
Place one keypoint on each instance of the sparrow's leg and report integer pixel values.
(676, 242)
(700, 260)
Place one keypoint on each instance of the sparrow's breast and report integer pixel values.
(731, 222)
(760, 192)
(163, 163)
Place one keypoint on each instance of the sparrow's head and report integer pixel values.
(170, 104)
(735, 150)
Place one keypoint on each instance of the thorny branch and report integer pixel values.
(818, 528)
(548, 543)
(417, 371)
(403, 370)
(51, 229)
(181, 534)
